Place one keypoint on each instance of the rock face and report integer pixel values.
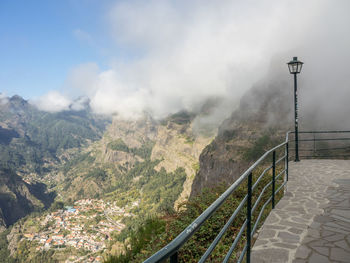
(177, 146)
(174, 143)
(13, 238)
(261, 120)
(134, 133)
(18, 198)
(170, 144)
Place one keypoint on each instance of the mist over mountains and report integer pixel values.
(191, 51)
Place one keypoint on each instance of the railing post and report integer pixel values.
(273, 178)
(287, 164)
(249, 215)
(174, 258)
(314, 145)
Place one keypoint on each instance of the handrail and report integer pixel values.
(335, 145)
(320, 132)
(171, 249)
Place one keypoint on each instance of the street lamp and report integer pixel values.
(294, 68)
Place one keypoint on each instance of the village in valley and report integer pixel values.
(86, 225)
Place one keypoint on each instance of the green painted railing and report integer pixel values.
(311, 147)
(170, 251)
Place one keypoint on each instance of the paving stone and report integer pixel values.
(347, 238)
(285, 245)
(342, 222)
(288, 237)
(284, 216)
(300, 210)
(310, 204)
(317, 243)
(308, 239)
(312, 221)
(326, 233)
(322, 219)
(260, 242)
(307, 216)
(282, 204)
(322, 250)
(340, 255)
(288, 194)
(340, 231)
(270, 255)
(317, 258)
(274, 227)
(272, 219)
(314, 233)
(302, 252)
(329, 244)
(335, 237)
(345, 203)
(294, 230)
(315, 225)
(292, 224)
(267, 233)
(335, 225)
(299, 220)
(342, 244)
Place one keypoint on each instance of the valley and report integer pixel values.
(102, 185)
(119, 191)
(85, 226)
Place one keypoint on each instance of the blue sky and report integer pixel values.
(40, 41)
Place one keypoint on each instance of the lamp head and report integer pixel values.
(295, 66)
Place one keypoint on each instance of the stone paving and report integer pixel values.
(311, 223)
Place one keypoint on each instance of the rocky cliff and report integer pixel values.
(18, 198)
(260, 121)
(168, 145)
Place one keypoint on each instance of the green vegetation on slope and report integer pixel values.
(4, 252)
(155, 233)
(145, 233)
(144, 151)
(17, 198)
(157, 191)
(33, 136)
(260, 146)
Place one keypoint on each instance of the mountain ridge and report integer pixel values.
(31, 144)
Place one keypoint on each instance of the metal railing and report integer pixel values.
(322, 144)
(171, 250)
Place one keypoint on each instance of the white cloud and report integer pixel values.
(189, 51)
(3, 99)
(79, 104)
(82, 79)
(53, 101)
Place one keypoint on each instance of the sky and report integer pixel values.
(41, 41)
(162, 56)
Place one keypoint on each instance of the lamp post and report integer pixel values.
(294, 68)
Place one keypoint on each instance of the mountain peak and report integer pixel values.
(18, 101)
(17, 98)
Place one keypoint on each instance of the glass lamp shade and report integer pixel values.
(295, 66)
